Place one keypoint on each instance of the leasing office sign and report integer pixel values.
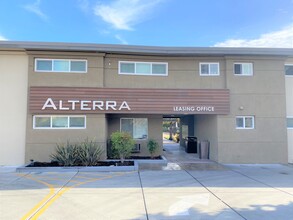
(77, 100)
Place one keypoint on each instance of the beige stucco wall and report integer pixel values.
(93, 78)
(41, 143)
(183, 73)
(289, 101)
(13, 96)
(206, 129)
(154, 129)
(263, 96)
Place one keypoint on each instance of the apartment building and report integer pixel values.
(240, 99)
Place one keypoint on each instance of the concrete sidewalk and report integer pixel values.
(237, 192)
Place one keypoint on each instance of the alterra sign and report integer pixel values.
(84, 100)
(85, 105)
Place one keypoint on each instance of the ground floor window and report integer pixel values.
(59, 122)
(290, 122)
(136, 127)
(245, 122)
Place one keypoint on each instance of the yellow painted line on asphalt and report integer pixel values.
(61, 192)
(41, 203)
(51, 197)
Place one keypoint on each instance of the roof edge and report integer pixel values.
(143, 50)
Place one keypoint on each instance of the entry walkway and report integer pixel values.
(176, 153)
(178, 159)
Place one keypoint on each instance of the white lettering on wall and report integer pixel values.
(124, 105)
(49, 104)
(73, 102)
(193, 108)
(98, 104)
(61, 106)
(111, 104)
(85, 105)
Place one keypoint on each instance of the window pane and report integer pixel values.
(239, 123)
(61, 65)
(159, 68)
(143, 68)
(59, 122)
(77, 122)
(237, 68)
(248, 122)
(289, 70)
(214, 70)
(44, 65)
(79, 66)
(42, 122)
(204, 68)
(140, 130)
(126, 67)
(127, 126)
(247, 68)
(289, 122)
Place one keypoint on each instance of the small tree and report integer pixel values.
(122, 143)
(152, 147)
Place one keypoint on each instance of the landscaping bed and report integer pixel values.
(100, 163)
(142, 158)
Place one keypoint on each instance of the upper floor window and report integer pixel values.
(289, 69)
(143, 68)
(243, 69)
(59, 122)
(209, 69)
(60, 65)
(290, 122)
(245, 122)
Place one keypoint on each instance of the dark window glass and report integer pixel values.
(237, 68)
(289, 70)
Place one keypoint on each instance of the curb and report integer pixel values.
(25, 169)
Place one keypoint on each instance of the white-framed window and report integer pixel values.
(60, 65)
(244, 122)
(243, 69)
(289, 69)
(143, 68)
(209, 69)
(59, 122)
(136, 127)
(290, 122)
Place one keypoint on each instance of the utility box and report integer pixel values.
(204, 149)
(191, 144)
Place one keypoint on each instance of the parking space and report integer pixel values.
(237, 192)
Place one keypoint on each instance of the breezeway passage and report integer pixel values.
(237, 192)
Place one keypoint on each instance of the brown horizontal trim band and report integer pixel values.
(155, 101)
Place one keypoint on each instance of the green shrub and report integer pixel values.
(122, 144)
(66, 154)
(86, 153)
(152, 147)
(89, 153)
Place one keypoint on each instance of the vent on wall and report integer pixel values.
(136, 148)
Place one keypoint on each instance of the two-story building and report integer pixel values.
(240, 99)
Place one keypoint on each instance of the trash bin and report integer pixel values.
(204, 148)
(191, 144)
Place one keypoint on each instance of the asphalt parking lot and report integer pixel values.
(236, 192)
